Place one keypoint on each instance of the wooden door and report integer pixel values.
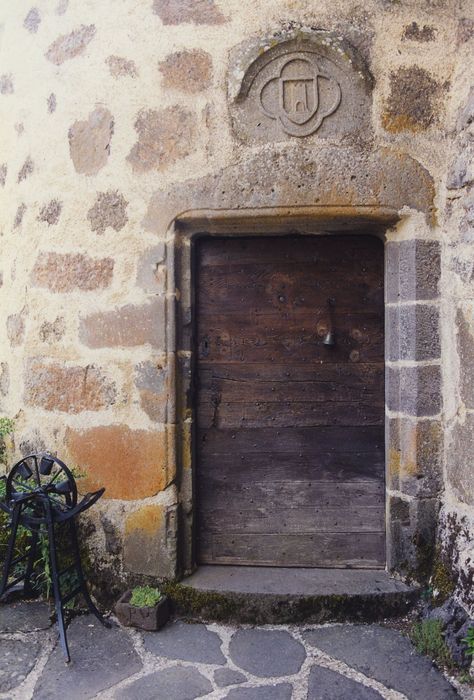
(290, 430)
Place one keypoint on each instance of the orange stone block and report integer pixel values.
(131, 464)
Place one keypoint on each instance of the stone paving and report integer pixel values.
(185, 661)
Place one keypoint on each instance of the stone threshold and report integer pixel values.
(273, 595)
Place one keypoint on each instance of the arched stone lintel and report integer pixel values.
(332, 185)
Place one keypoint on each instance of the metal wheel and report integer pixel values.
(41, 475)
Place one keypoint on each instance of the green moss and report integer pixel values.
(427, 636)
(442, 581)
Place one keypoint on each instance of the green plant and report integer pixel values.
(6, 428)
(145, 597)
(469, 641)
(428, 639)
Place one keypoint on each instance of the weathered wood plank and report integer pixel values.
(365, 550)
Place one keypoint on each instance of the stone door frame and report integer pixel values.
(412, 360)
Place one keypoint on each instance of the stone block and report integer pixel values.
(52, 331)
(415, 391)
(184, 641)
(51, 212)
(188, 11)
(32, 20)
(127, 326)
(415, 456)
(120, 67)
(89, 141)
(109, 210)
(414, 102)
(465, 345)
(413, 332)
(151, 381)
(66, 272)
(413, 270)
(187, 71)
(164, 137)
(151, 275)
(131, 464)
(183, 682)
(52, 386)
(459, 460)
(4, 378)
(16, 329)
(70, 45)
(411, 543)
(17, 659)
(151, 541)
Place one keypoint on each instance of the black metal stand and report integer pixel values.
(46, 507)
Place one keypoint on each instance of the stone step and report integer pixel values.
(271, 595)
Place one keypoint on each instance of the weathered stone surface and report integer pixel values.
(186, 642)
(6, 84)
(465, 344)
(17, 658)
(187, 71)
(127, 326)
(109, 210)
(26, 169)
(227, 676)
(413, 32)
(113, 541)
(412, 527)
(131, 464)
(414, 270)
(57, 387)
(151, 541)
(16, 328)
(24, 617)
(414, 100)
(183, 11)
(65, 272)
(101, 657)
(280, 691)
(175, 683)
(385, 655)
(151, 380)
(413, 332)
(325, 684)
(466, 114)
(32, 20)
(52, 331)
(164, 137)
(51, 102)
(343, 179)
(461, 172)
(89, 141)
(459, 460)
(415, 456)
(150, 274)
(4, 378)
(70, 45)
(51, 212)
(415, 391)
(20, 213)
(3, 174)
(262, 67)
(119, 67)
(32, 442)
(266, 653)
(465, 30)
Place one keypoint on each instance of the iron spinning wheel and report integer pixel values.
(40, 476)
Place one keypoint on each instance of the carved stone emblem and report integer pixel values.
(294, 96)
(300, 83)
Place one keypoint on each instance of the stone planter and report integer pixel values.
(150, 619)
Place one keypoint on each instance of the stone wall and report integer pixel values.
(116, 118)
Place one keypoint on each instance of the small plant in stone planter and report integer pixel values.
(144, 607)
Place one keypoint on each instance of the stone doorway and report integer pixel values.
(289, 401)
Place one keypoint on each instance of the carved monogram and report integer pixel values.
(300, 96)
